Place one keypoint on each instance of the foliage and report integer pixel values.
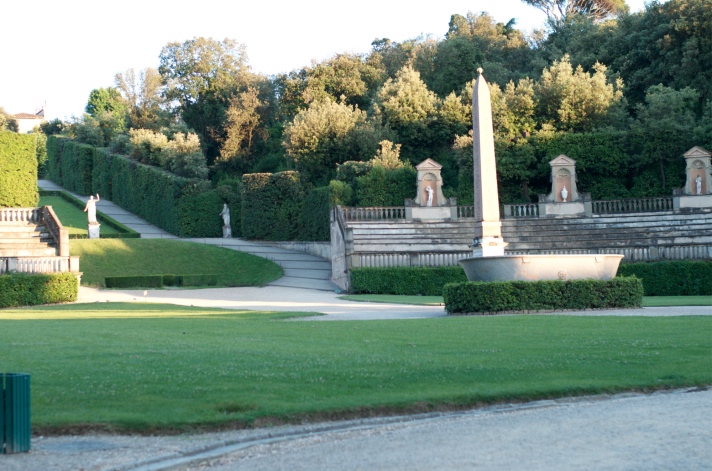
(560, 10)
(426, 281)
(315, 215)
(271, 205)
(498, 296)
(201, 74)
(7, 122)
(142, 281)
(54, 126)
(386, 187)
(142, 96)
(181, 155)
(21, 289)
(184, 207)
(672, 277)
(230, 190)
(329, 133)
(241, 127)
(106, 100)
(18, 170)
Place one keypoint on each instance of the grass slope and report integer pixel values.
(73, 219)
(132, 257)
(153, 367)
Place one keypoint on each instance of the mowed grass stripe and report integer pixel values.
(166, 368)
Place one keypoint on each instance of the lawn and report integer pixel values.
(147, 367)
(73, 219)
(648, 301)
(132, 257)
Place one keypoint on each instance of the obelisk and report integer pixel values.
(488, 229)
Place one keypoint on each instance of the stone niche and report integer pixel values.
(564, 198)
(697, 192)
(422, 206)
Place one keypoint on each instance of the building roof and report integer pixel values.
(28, 116)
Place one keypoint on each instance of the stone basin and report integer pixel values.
(542, 267)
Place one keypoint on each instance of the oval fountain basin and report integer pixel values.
(542, 267)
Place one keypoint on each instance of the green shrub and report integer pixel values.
(386, 187)
(21, 289)
(672, 277)
(271, 205)
(144, 281)
(314, 224)
(190, 280)
(426, 281)
(18, 170)
(498, 296)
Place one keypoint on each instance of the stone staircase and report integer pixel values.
(32, 240)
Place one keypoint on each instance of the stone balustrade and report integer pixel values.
(39, 264)
(382, 213)
(30, 215)
(632, 205)
(524, 210)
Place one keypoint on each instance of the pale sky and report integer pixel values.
(58, 51)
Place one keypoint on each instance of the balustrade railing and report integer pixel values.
(56, 230)
(632, 205)
(39, 264)
(465, 212)
(382, 213)
(524, 210)
(32, 215)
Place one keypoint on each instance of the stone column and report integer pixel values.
(488, 228)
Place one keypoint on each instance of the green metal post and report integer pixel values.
(15, 412)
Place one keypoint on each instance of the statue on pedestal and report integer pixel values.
(90, 209)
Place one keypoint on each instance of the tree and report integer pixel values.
(242, 124)
(328, 133)
(574, 100)
(7, 122)
(201, 74)
(558, 10)
(103, 100)
(142, 94)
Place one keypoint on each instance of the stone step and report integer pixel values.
(289, 282)
(310, 274)
(25, 235)
(43, 252)
(29, 242)
(397, 247)
(603, 235)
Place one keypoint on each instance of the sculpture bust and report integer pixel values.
(564, 194)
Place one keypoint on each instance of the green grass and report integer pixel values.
(663, 301)
(159, 368)
(73, 219)
(133, 257)
(648, 301)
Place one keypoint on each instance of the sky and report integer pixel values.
(57, 52)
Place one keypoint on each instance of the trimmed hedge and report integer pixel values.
(672, 277)
(159, 281)
(18, 170)
(498, 296)
(425, 281)
(144, 281)
(184, 207)
(21, 289)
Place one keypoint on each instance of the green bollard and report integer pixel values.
(14, 413)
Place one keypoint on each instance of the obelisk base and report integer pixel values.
(488, 247)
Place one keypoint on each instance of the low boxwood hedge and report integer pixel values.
(190, 280)
(21, 289)
(426, 281)
(159, 281)
(498, 296)
(672, 277)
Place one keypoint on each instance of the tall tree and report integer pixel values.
(142, 93)
(7, 122)
(201, 74)
(242, 126)
(558, 10)
(102, 100)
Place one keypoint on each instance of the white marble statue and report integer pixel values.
(564, 194)
(225, 213)
(698, 184)
(90, 209)
(429, 190)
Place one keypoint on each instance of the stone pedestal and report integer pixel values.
(227, 232)
(93, 231)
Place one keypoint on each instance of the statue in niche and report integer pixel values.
(90, 209)
(225, 213)
(564, 194)
(698, 184)
(429, 190)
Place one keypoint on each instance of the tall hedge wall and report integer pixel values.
(18, 170)
(181, 206)
(277, 206)
(672, 277)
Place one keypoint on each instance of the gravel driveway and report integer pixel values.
(665, 430)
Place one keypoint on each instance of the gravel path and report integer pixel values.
(664, 430)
